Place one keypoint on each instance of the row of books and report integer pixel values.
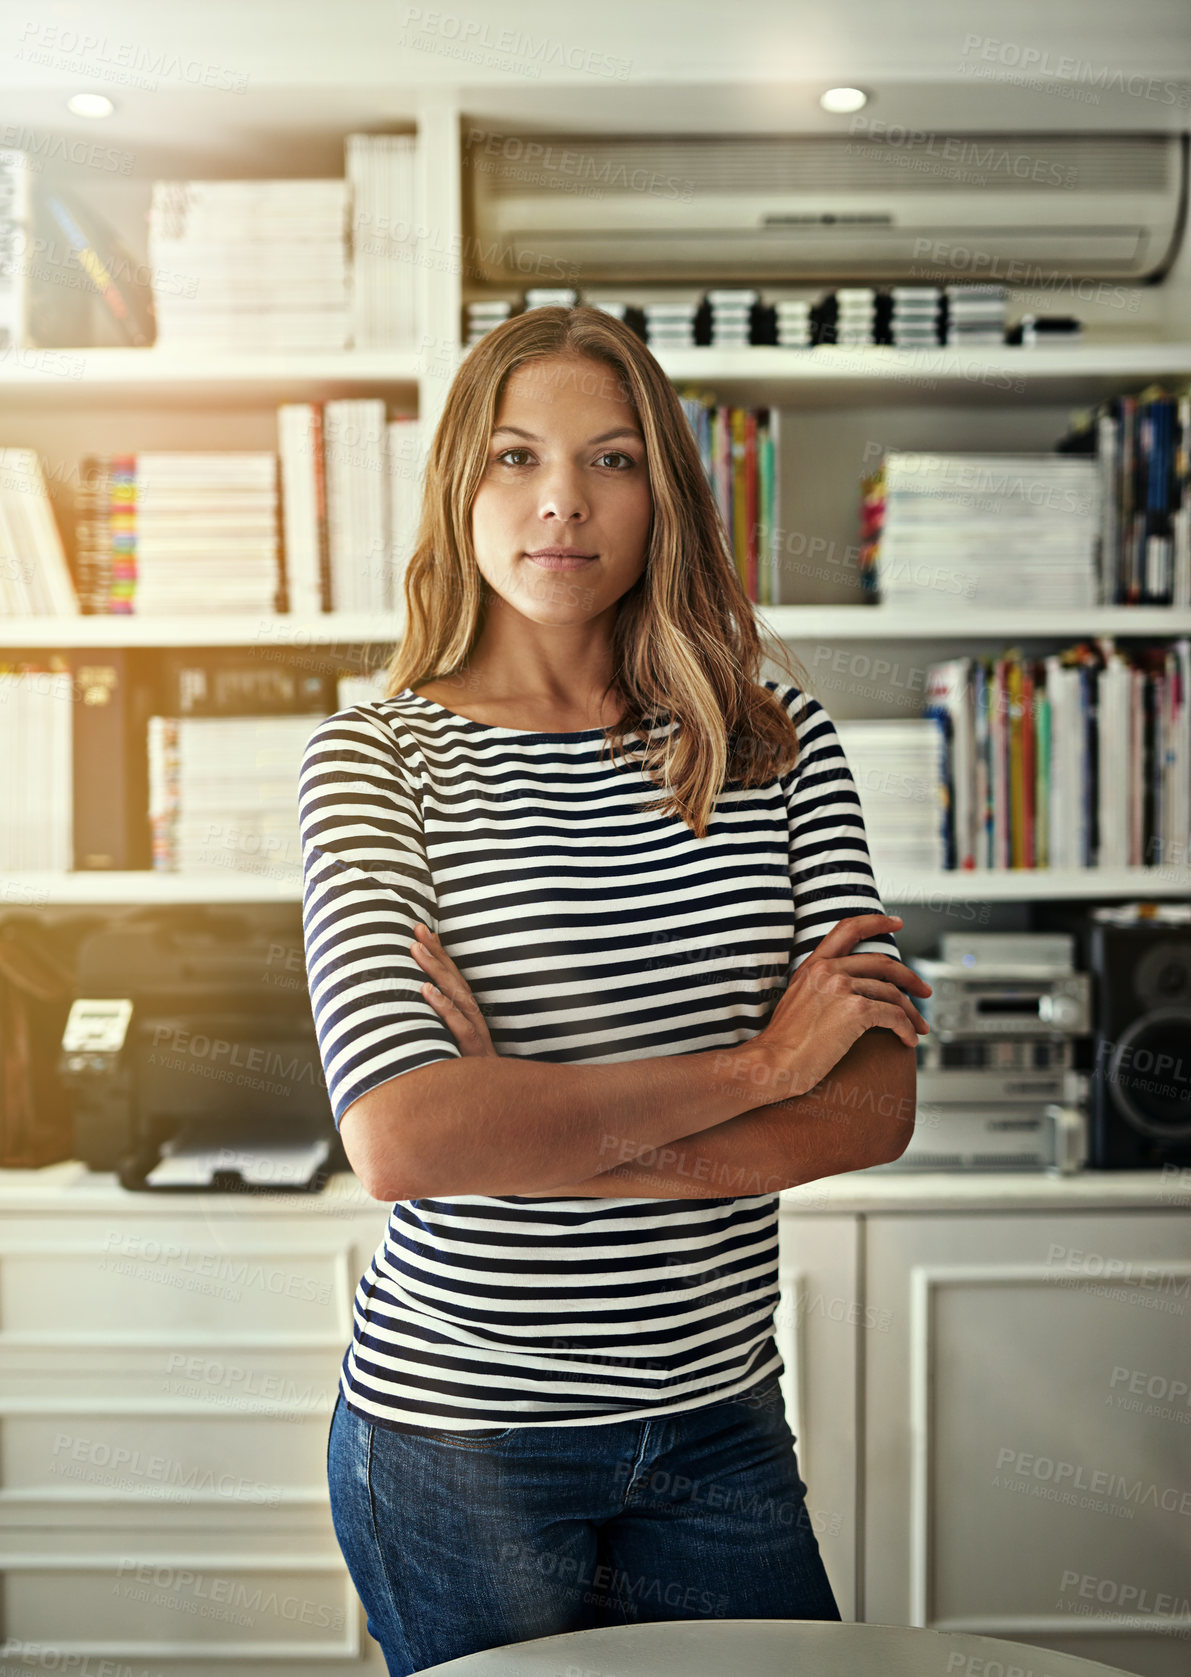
(35, 578)
(962, 532)
(1142, 448)
(906, 316)
(327, 524)
(36, 812)
(194, 770)
(352, 495)
(739, 449)
(897, 765)
(1080, 759)
(232, 264)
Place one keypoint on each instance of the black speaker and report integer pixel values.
(1141, 1076)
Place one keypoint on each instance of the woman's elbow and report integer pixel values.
(897, 1099)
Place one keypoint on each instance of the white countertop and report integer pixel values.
(857, 1192)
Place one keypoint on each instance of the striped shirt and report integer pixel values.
(589, 932)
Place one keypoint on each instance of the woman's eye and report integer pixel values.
(614, 454)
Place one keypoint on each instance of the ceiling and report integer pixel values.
(233, 87)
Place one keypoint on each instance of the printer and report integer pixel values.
(191, 1054)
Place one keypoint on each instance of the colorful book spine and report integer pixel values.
(122, 523)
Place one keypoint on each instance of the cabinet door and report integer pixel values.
(1028, 1446)
(816, 1325)
(166, 1387)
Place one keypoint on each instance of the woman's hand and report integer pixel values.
(835, 997)
(448, 994)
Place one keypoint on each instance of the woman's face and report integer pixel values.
(566, 468)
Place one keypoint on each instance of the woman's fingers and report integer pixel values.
(880, 991)
(882, 966)
(449, 993)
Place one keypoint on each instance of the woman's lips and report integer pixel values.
(561, 561)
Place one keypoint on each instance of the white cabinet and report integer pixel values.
(986, 1379)
(1027, 1434)
(167, 1374)
(816, 1330)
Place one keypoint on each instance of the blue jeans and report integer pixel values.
(458, 1542)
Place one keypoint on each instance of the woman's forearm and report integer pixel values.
(504, 1125)
(861, 1114)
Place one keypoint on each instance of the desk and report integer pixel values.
(770, 1648)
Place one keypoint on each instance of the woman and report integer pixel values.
(572, 1032)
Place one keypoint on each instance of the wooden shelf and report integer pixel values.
(926, 889)
(789, 623)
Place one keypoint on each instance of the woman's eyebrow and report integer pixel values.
(606, 437)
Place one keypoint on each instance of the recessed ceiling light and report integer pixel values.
(90, 104)
(843, 99)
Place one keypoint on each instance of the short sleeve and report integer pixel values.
(830, 868)
(366, 882)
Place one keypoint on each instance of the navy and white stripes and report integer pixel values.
(589, 931)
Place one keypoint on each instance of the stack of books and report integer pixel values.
(380, 174)
(794, 322)
(206, 533)
(899, 766)
(732, 316)
(975, 314)
(16, 239)
(483, 316)
(1081, 759)
(251, 264)
(223, 793)
(739, 451)
(670, 325)
(351, 488)
(856, 315)
(551, 296)
(914, 315)
(169, 533)
(36, 706)
(35, 579)
(968, 531)
(1142, 448)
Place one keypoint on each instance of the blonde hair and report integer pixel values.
(687, 641)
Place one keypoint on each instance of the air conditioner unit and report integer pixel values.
(1023, 208)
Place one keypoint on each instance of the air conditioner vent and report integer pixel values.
(704, 163)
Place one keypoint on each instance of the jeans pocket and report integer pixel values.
(472, 1440)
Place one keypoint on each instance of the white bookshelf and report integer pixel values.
(64, 377)
(818, 376)
(789, 623)
(936, 887)
(52, 383)
(832, 375)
